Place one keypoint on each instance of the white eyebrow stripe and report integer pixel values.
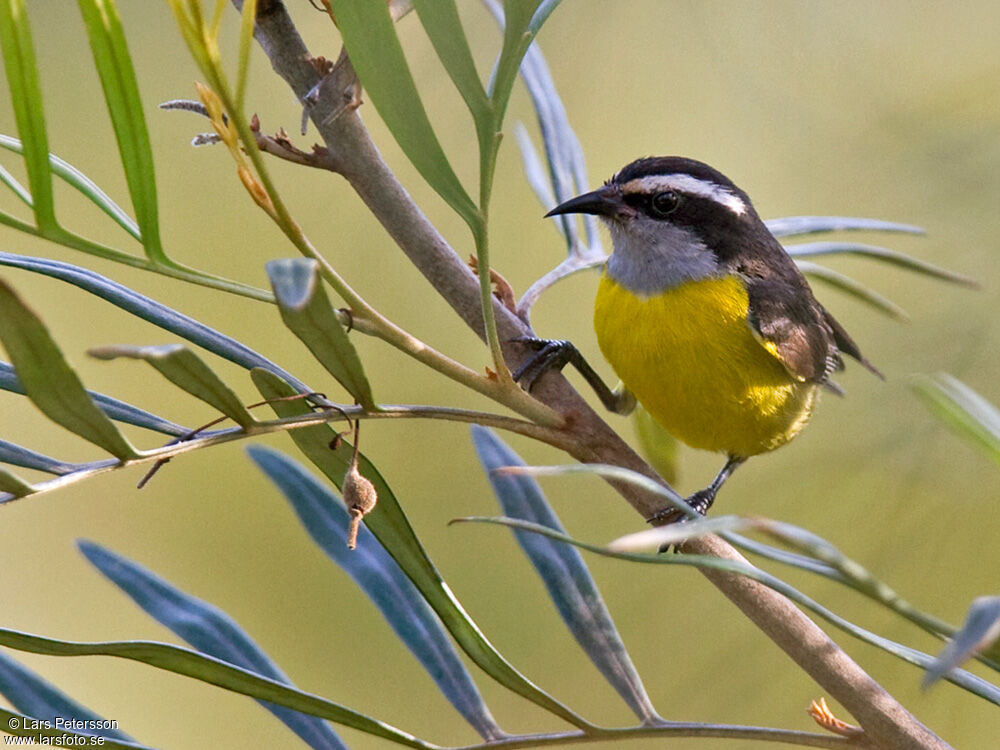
(685, 183)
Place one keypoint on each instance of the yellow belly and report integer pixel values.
(691, 360)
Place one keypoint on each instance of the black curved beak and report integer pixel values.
(604, 201)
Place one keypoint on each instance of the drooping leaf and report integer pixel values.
(564, 573)
(151, 311)
(49, 381)
(208, 629)
(26, 100)
(966, 412)
(376, 54)
(187, 371)
(121, 93)
(323, 515)
(980, 631)
(306, 310)
(392, 529)
(213, 671)
(117, 410)
(30, 694)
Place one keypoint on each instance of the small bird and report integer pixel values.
(703, 316)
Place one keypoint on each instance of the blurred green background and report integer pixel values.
(888, 110)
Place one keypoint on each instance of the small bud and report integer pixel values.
(359, 497)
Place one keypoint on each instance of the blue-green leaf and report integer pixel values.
(979, 631)
(564, 573)
(208, 629)
(392, 528)
(19, 456)
(40, 699)
(798, 225)
(49, 381)
(152, 311)
(854, 288)
(323, 515)
(117, 410)
(883, 254)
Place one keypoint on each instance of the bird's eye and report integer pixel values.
(665, 203)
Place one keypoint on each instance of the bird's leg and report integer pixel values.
(551, 354)
(701, 500)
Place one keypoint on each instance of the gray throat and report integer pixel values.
(657, 258)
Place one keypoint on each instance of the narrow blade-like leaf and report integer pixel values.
(517, 36)
(152, 311)
(16, 187)
(121, 93)
(966, 412)
(323, 515)
(564, 573)
(392, 529)
(377, 56)
(19, 456)
(117, 410)
(798, 225)
(79, 181)
(187, 371)
(444, 28)
(813, 249)
(49, 381)
(213, 671)
(306, 311)
(30, 694)
(979, 631)
(248, 20)
(26, 100)
(854, 288)
(208, 629)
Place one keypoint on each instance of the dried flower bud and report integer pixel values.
(359, 497)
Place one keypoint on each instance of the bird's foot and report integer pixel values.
(550, 354)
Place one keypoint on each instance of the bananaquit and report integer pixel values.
(703, 316)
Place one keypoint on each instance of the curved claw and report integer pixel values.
(549, 354)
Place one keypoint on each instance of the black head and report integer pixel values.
(674, 190)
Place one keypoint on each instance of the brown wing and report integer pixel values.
(846, 344)
(793, 326)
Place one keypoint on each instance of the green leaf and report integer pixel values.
(18, 725)
(187, 371)
(121, 93)
(902, 260)
(87, 187)
(49, 381)
(391, 527)
(214, 671)
(657, 445)
(444, 28)
(10, 482)
(40, 699)
(855, 289)
(377, 56)
(306, 311)
(966, 412)
(26, 99)
(979, 631)
(517, 37)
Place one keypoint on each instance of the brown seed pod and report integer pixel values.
(359, 493)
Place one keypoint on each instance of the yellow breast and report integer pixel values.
(691, 359)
